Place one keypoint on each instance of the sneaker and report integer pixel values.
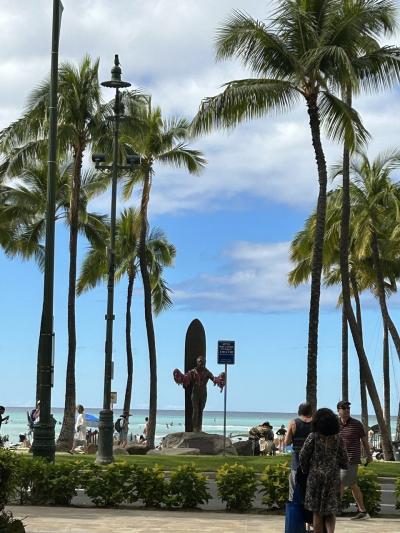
(361, 516)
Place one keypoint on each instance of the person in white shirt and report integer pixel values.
(80, 429)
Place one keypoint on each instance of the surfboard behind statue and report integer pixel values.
(195, 345)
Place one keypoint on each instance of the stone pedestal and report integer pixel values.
(206, 443)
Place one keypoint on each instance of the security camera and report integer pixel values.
(98, 158)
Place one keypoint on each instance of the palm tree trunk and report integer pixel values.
(386, 377)
(148, 312)
(381, 293)
(355, 331)
(345, 358)
(363, 387)
(66, 436)
(316, 267)
(128, 341)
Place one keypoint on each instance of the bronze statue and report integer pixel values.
(198, 377)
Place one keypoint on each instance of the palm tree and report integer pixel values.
(79, 124)
(25, 207)
(160, 254)
(298, 56)
(362, 275)
(163, 142)
(373, 67)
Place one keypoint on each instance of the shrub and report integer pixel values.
(32, 481)
(236, 486)
(369, 485)
(9, 524)
(187, 488)
(275, 485)
(62, 481)
(104, 484)
(8, 468)
(397, 492)
(152, 488)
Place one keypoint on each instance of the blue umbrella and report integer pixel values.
(92, 420)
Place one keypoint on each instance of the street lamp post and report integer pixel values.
(43, 433)
(106, 424)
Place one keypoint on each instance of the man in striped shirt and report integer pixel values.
(353, 434)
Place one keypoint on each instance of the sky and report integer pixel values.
(232, 225)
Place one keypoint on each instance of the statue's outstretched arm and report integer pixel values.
(181, 379)
(220, 380)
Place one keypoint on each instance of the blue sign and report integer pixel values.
(226, 352)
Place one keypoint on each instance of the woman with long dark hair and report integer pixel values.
(322, 456)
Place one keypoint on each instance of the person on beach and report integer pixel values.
(263, 438)
(123, 431)
(5, 419)
(281, 437)
(146, 427)
(298, 431)
(353, 434)
(35, 413)
(80, 429)
(321, 458)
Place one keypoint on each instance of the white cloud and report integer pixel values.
(166, 48)
(252, 278)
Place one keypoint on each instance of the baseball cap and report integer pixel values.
(343, 404)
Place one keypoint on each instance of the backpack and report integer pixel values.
(117, 425)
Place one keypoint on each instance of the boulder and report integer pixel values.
(137, 449)
(175, 451)
(244, 447)
(207, 443)
(92, 448)
(119, 451)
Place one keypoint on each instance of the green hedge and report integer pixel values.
(369, 485)
(35, 482)
(397, 493)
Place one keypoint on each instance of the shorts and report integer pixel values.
(349, 477)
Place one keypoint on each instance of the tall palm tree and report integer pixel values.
(160, 253)
(163, 142)
(25, 207)
(373, 67)
(298, 56)
(80, 116)
(362, 275)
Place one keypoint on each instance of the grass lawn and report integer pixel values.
(211, 463)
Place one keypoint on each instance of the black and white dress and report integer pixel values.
(322, 457)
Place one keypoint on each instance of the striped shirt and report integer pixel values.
(352, 432)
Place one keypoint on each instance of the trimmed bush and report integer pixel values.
(236, 486)
(369, 485)
(105, 485)
(8, 468)
(275, 485)
(152, 487)
(397, 492)
(32, 485)
(62, 479)
(187, 488)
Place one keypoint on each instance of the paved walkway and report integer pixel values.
(83, 520)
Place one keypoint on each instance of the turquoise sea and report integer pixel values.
(167, 421)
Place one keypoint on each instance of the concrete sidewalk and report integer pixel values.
(83, 520)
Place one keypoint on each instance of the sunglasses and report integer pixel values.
(345, 408)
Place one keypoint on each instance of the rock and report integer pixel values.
(207, 443)
(119, 451)
(92, 448)
(175, 451)
(137, 449)
(244, 447)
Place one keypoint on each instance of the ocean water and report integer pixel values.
(237, 423)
